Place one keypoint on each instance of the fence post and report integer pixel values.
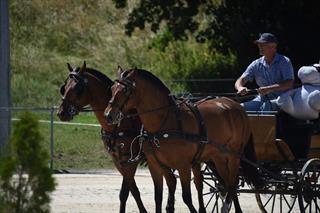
(4, 74)
(51, 138)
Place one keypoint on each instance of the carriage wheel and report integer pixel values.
(309, 188)
(277, 201)
(213, 195)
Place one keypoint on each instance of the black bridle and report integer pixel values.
(128, 88)
(71, 108)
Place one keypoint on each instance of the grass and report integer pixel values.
(75, 147)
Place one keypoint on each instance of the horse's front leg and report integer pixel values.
(124, 193)
(171, 183)
(157, 177)
(185, 178)
(128, 183)
(136, 194)
(198, 181)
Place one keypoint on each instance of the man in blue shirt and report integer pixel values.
(272, 72)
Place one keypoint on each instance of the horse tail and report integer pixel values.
(250, 172)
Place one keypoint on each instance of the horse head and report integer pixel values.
(123, 92)
(83, 86)
(136, 89)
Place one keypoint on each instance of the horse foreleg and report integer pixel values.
(171, 183)
(185, 178)
(198, 181)
(156, 174)
(136, 194)
(128, 183)
(124, 193)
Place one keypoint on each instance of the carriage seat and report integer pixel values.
(267, 147)
(302, 136)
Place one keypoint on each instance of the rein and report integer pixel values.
(155, 109)
(89, 109)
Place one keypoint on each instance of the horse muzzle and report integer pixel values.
(67, 113)
(63, 116)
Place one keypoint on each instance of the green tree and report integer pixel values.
(25, 179)
(233, 24)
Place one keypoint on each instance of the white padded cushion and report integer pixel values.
(304, 102)
(314, 100)
(309, 74)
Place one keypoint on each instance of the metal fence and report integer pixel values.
(50, 110)
(50, 118)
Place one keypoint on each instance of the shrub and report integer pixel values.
(25, 179)
(185, 60)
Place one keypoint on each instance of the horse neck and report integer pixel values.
(154, 109)
(99, 100)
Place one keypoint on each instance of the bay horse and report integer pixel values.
(171, 126)
(85, 86)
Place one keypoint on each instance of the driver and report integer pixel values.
(272, 72)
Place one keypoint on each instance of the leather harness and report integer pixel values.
(201, 138)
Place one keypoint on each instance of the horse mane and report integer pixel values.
(152, 78)
(107, 81)
(100, 76)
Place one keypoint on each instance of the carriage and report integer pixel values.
(288, 154)
(287, 150)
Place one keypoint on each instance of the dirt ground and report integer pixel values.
(97, 193)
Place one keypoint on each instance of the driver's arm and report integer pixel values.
(240, 85)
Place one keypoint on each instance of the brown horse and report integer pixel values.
(228, 132)
(85, 86)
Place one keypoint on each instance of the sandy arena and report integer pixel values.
(98, 193)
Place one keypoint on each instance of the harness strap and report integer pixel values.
(192, 138)
(176, 111)
(202, 133)
(110, 138)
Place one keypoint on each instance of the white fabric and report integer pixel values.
(309, 75)
(304, 102)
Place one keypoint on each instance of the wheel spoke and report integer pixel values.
(286, 200)
(209, 200)
(268, 200)
(273, 201)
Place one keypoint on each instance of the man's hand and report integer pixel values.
(242, 91)
(264, 90)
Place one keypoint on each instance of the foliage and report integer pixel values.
(45, 35)
(25, 178)
(233, 24)
(182, 60)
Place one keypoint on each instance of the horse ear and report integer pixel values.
(135, 70)
(69, 67)
(120, 71)
(83, 68)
